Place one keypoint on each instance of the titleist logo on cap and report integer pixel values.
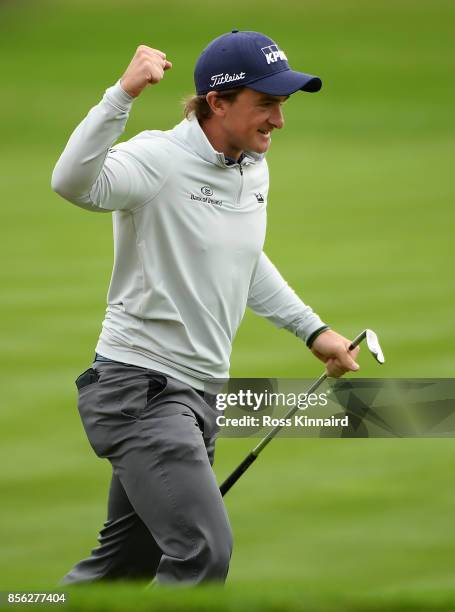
(220, 79)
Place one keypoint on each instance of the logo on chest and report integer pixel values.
(206, 193)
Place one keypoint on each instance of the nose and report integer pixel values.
(277, 118)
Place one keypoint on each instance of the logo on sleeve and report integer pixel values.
(259, 197)
(273, 54)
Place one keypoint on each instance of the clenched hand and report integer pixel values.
(146, 68)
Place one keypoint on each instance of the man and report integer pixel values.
(189, 215)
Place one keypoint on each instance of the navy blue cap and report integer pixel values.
(249, 59)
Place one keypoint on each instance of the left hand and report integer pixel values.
(333, 350)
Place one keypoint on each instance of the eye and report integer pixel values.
(272, 103)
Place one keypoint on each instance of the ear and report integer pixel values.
(217, 105)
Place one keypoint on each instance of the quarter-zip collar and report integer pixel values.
(189, 135)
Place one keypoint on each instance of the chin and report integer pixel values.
(260, 148)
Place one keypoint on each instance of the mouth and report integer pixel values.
(264, 132)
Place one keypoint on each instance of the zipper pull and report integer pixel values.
(241, 169)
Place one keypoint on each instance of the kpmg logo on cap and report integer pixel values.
(273, 54)
(221, 79)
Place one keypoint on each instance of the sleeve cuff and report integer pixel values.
(118, 97)
(312, 337)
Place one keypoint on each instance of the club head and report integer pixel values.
(373, 346)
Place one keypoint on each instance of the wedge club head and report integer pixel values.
(372, 342)
(373, 346)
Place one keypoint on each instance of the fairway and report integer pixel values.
(360, 223)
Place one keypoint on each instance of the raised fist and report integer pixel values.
(146, 68)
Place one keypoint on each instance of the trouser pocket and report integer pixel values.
(87, 378)
(112, 400)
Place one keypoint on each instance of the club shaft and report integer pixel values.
(253, 455)
(272, 433)
(358, 339)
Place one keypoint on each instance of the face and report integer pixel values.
(248, 121)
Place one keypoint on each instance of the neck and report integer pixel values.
(219, 141)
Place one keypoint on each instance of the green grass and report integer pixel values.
(361, 222)
(285, 598)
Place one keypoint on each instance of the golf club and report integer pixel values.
(374, 348)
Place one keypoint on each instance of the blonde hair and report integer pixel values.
(199, 105)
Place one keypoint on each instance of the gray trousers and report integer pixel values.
(166, 518)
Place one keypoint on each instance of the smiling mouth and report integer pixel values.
(265, 132)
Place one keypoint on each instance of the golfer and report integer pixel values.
(189, 216)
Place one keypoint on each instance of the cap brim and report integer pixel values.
(286, 82)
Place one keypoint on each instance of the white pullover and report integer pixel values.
(189, 230)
